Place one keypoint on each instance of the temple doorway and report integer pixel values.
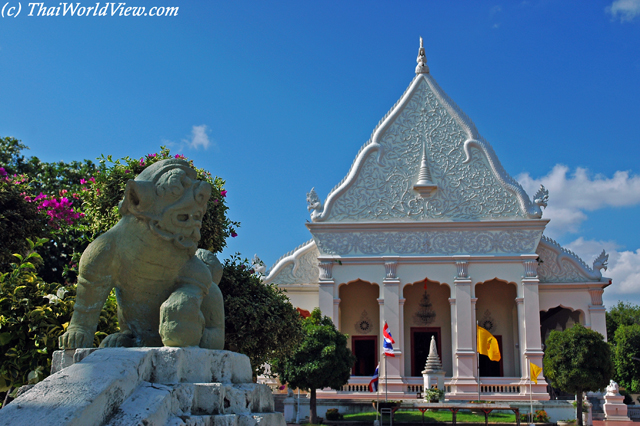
(364, 349)
(420, 343)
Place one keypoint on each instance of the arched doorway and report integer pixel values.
(360, 319)
(427, 313)
(496, 311)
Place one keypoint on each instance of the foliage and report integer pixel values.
(433, 394)
(79, 201)
(104, 191)
(260, 322)
(623, 329)
(577, 360)
(19, 220)
(33, 313)
(539, 416)
(628, 399)
(627, 347)
(321, 360)
(333, 414)
(621, 314)
(441, 416)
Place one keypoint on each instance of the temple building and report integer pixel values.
(428, 233)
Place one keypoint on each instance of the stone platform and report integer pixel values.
(146, 386)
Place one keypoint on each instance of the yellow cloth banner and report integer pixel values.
(487, 344)
(535, 372)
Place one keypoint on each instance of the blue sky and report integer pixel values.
(277, 97)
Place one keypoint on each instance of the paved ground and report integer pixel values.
(609, 423)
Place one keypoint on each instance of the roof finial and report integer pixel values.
(422, 67)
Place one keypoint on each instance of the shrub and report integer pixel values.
(33, 313)
(539, 416)
(333, 414)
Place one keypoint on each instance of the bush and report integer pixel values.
(260, 321)
(333, 414)
(33, 313)
(19, 220)
(540, 416)
(103, 192)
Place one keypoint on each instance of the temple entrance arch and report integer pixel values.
(359, 314)
(426, 312)
(496, 311)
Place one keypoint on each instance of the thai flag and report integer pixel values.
(387, 341)
(373, 384)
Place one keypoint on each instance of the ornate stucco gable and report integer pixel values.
(559, 265)
(299, 266)
(426, 161)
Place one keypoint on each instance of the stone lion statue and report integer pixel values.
(166, 288)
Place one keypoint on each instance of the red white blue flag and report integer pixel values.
(388, 341)
(373, 384)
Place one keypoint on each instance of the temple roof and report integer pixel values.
(426, 161)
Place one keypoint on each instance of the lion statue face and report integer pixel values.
(171, 200)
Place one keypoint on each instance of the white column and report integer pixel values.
(454, 332)
(520, 340)
(400, 338)
(464, 380)
(336, 313)
(532, 341)
(597, 311)
(326, 291)
(392, 317)
(474, 334)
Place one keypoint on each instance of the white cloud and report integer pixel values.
(623, 269)
(572, 195)
(625, 10)
(199, 137)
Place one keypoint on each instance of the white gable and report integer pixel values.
(299, 266)
(559, 265)
(425, 136)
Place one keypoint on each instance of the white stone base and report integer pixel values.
(615, 409)
(153, 386)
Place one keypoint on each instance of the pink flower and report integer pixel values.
(180, 156)
(3, 172)
(82, 181)
(92, 179)
(142, 161)
(127, 171)
(215, 201)
(223, 192)
(233, 234)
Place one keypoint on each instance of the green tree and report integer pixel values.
(621, 314)
(260, 321)
(577, 360)
(321, 360)
(626, 348)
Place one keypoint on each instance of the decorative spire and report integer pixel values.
(425, 185)
(433, 364)
(422, 67)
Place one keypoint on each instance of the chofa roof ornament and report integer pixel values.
(422, 67)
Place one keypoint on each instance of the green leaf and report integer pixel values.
(5, 338)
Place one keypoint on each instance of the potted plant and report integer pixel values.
(434, 395)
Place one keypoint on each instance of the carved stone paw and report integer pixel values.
(76, 337)
(126, 339)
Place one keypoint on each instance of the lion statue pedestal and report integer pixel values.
(152, 386)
